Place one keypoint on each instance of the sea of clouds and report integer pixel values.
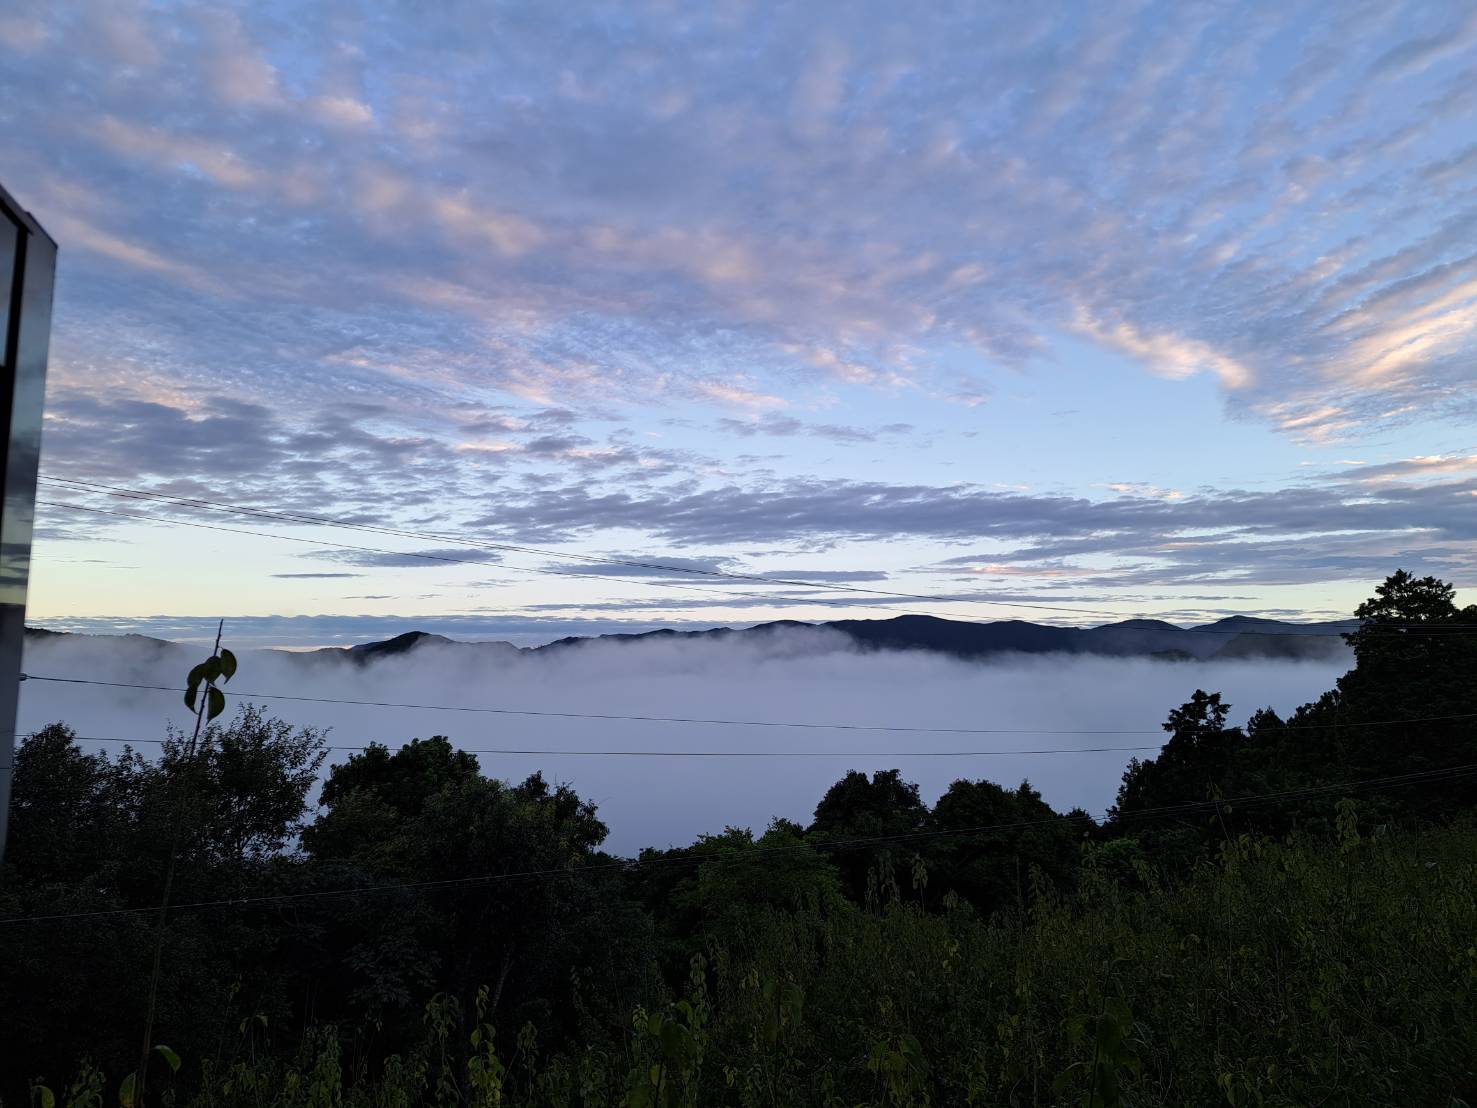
(804, 677)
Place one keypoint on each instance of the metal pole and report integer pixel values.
(27, 274)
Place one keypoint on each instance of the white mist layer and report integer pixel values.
(813, 677)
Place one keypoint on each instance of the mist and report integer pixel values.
(798, 676)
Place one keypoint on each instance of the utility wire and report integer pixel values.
(717, 753)
(693, 857)
(900, 728)
(319, 521)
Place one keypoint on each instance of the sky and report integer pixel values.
(1134, 308)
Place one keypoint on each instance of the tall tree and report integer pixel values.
(495, 890)
(1191, 767)
(93, 834)
(63, 820)
(858, 807)
(992, 869)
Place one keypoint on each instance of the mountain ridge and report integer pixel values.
(1231, 638)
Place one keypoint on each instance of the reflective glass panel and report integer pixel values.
(9, 237)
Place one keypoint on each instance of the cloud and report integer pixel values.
(804, 676)
(357, 458)
(1320, 424)
(86, 236)
(1415, 54)
(707, 570)
(837, 508)
(737, 395)
(1358, 522)
(1169, 354)
(1333, 531)
(1455, 168)
(235, 69)
(1134, 488)
(1426, 465)
(409, 559)
(826, 574)
(337, 457)
(343, 111)
(220, 164)
(649, 230)
(698, 567)
(20, 32)
(787, 426)
(408, 269)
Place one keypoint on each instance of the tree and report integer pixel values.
(368, 797)
(780, 871)
(857, 807)
(1414, 652)
(1403, 599)
(496, 895)
(1415, 660)
(1192, 766)
(404, 780)
(992, 869)
(1405, 707)
(253, 780)
(63, 824)
(93, 833)
(235, 807)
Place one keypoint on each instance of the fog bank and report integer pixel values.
(813, 677)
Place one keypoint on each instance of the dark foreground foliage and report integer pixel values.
(1292, 974)
(1202, 947)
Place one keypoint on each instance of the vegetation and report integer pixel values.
(1280, 915)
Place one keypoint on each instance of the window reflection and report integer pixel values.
(9, 237)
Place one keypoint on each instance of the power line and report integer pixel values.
(706, 722)
(714, 753)
(692, 857)
(78, 485)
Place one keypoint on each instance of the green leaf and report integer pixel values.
(672, 1040)
(190, 698)
(125, 1091)
(228, 665)
(217, 702)
(169, 1056)
(44, 1095)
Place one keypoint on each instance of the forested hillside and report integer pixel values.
(1280, 914)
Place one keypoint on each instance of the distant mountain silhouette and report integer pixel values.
(368, 652)
(1239, 637)
(1236, 637)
